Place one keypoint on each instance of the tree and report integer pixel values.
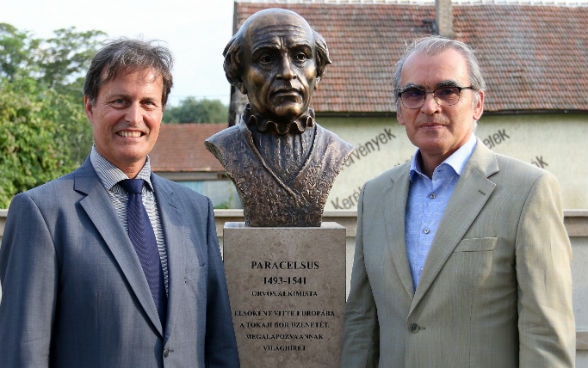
(14, 51)
(192, 110)
(29, 138)
(44, 132)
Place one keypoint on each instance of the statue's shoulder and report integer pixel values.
(229, 144)
(224, 136)
(331, 138)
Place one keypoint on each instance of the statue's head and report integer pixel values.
(277, 60)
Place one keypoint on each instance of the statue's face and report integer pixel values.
(279, 65)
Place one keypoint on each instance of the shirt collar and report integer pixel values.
(110, 175)
(457, 160)
(263, 125)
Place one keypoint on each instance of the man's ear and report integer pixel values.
(399, 116)
(88, 108)
(479, 107)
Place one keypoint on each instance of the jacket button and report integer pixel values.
(413, 327)
(165, 353)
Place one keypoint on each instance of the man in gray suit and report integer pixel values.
(76, 293)
(462, 258)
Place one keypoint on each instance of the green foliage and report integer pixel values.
(15, 47)
(30, 152)
(59, 62)
(44, 132)
(192, 110)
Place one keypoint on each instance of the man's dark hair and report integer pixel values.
(123, 55)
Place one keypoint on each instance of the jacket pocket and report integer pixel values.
(477, 245)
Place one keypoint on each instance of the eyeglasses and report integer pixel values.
(414, 97)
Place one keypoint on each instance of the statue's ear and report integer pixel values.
(316, 83)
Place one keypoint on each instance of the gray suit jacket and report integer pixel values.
(84, 301)
(496, 289)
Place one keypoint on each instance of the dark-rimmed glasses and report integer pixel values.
(414, 98)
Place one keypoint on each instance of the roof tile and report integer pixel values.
(180, 148)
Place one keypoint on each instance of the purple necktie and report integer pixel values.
(143, 238)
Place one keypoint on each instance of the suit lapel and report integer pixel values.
(469, 197)
(97, 206)
(394, 214)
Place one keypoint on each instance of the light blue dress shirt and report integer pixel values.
(426, 204)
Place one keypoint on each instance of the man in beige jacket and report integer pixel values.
(462, 258)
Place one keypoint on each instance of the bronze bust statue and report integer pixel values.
(281, 161)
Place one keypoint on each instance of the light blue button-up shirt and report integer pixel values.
(427, 200)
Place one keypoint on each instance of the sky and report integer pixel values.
(196, 32)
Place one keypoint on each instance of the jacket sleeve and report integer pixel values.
(28, 274)
(543, 266)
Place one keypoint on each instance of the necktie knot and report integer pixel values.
(132, 186)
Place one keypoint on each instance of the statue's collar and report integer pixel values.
(263, 125)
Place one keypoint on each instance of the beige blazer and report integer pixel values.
(496, 289)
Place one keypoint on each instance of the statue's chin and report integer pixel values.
(287, 109)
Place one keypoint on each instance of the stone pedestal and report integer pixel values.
(287, 291)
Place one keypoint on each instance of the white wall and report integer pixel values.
(555, 142)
